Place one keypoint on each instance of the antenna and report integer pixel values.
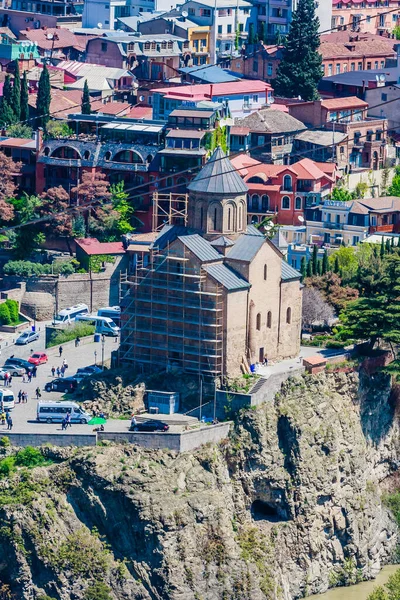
(100, 25)
(301, 219)
(184, 14)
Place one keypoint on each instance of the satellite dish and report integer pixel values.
(184, 13)
(141, 98)
(50, 36)
(301, 219)
(100, 25)
(382, 77)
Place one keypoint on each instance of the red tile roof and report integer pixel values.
(110, 108)
(65, 39)
(240, 130)
(141, 111)
(343, 103)
(92, 246)
(63, 102)
(354, 50)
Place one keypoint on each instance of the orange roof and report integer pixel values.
(141, 111)
(92, 246)
(315, 360)
(110, 108)
(306, 168)
(281, 107)
(343, 103)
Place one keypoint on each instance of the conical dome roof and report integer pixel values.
(218, 176)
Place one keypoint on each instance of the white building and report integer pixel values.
(107, 12)
(230, 18)
(277, 15)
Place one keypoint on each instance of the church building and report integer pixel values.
(217, 295)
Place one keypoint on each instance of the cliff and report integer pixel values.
(290, 505)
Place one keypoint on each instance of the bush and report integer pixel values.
(97, 591)
(27, 268)
(66, 335)
(29, 457)
(57, 129)
(13, 307)
(5, 317)
(5, 442)
(7, 466)
(336, 344)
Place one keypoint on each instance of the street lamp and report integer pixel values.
(95, 357)
(103, 341)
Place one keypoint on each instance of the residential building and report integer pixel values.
(344, 51)
(283, 192)
(277, 16)
(198, 36)
(322, 145)
(349, 223)
(356, 83)
(108, 12)
(297, 251)
(24, 151)
(154, 56)
(61, 9)
(56, 43)
(241, 97)
(102, 81)
(24, 51)
(259, 61)
(227, 19)
(366, 16)
(270, 137)
(390, 96)
(366, 136)
(217, 296)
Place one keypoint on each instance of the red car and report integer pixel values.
(38, 358)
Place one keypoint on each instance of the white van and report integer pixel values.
(68, 315)
(7, 400)
(104, 325)
(112, 312)
(55, 412)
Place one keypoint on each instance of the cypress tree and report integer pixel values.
(388, 247)
(392, 243)
(263, 32)
(382, 248)
(325, 264)
(16, 93)
(85, 106)
(43, 98)
(310, 268)
(315, 259)
(251, 36)
(303, 267)
(7, 116)
(24, 99)
(336, 266)
(319, 267)
(7, 90)
(300, 69)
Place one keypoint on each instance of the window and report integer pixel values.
(255, 66)
(369, 136)
(378, 135)
(341, 149)
(298, 203)
(289, 316)
(376, 64)
(287, 183)
(229, 219)
(219, 28)
(269, 319)
(286, 203)
(265, 202)
(215, 219)
(241, 27)
(345, 68)
(337, 218)
(328, 217)
(329, 70)
(254, 201)
(383, 97)
(265, 272)
(255, 98)
(356, 240)
(368, 19)
(353, 67)
(337, 69)
(205, 12)
(229, 28)
(103, 47)
(359, 66)
(369, 66)
(382, 64)
(258, 321)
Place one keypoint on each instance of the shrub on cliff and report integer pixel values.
(392, 591)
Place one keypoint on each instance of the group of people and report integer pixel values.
(22, 397)
(60, 370)
(66, 421)
(7, 379)
(27, 377)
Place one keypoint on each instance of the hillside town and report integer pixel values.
(199, 299)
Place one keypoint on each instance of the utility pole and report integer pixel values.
(103, 341)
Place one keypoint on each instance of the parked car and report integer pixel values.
(18, 362)
(150, 425)
(61, 384)
(14, 370)
(27, 337)
(88, 371)
(38, 358)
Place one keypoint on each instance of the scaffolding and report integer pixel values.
(173, 317)
(169, 209)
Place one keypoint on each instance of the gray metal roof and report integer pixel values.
(218, 176)
(211, 75)
(252, 230)
(227, 277)
(246, 247)
(321, 137)
(168, 233)
(289, 273)
(222, 242)
(200, 247)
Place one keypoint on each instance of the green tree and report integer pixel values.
(85, 107)
(251, 36)
(97, 591)
(120, 202)
(325, 263)
(340, 194)
(315, 259)
(16, 92)
(383, 249)
(43, 98)
(319, 267)
(345, 261)
(24, 99)
(19, 130)
(300, 71)
(303, 267)
(263, 32)
(394, 187)
(392, 591)
(5, 317)
(7, 90)
(310, 268)
(7, 116)
(14, 310)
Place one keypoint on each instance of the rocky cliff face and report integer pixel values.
(287, 507)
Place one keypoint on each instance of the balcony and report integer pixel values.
(330, 225)
(392, 228)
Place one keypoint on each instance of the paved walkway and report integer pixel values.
(292, 364)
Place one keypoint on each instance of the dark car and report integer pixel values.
(151, 425)
(18, 362)
(61, 384)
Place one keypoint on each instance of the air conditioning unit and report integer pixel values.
(36, 24)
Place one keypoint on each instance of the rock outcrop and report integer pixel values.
(288, 506)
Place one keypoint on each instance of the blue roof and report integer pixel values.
(200, 247)
(246, 247)
(211, 75)
(227, 277)
(288, 273)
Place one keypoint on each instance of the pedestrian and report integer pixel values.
(133, 422)
(6, 379)
(34, 371)
(53, 371)
(60, 350)
(24, 378)
(68, 420)
(19, 396)
(78, 341)
(38, 394)
(3, 418)
(24, 397)
(65, 364)
(64, 424)
(9, 422)
(58, 371)
(10, 380)
(62, 370)
(29, 376)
